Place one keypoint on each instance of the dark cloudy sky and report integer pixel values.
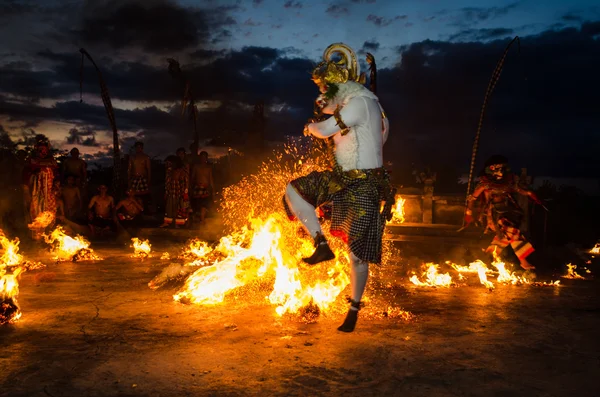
(435, 59)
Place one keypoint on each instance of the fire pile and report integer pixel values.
(572, 274)
(596, 249)
(141, 248)
(67, 248)
(261, 255)
(14, 262)
(398, 211)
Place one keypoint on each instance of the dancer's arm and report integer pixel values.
(352, 114)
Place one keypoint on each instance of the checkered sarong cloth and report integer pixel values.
(356, 198)
(140, 185)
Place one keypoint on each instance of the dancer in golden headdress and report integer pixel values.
(357, 183)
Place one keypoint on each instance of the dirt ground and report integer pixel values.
(96, 329)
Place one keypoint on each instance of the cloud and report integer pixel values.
(250, 22)
(83, 137)
(336, 10)
(369, 46)
(381, 21)
(571, 17)
(155, 26)
(433, 98)
(481, 34)
(364, 1)
(257, 2)
(292, 4)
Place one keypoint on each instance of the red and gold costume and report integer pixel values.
(41, 170)
(500, 211)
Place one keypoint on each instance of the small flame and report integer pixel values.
(595, 249)
(67, 248)
(42, 221)
(432, 278)
(165, 256)
(141, 248)
(398, 211)
(571, 273)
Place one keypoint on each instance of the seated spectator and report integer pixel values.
(129, 210)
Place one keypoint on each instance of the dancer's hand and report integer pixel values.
(535, 198)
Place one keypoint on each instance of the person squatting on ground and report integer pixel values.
(497, 187)
(357, 183)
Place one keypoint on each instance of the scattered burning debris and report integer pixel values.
(165, 256)
(67, 248)
(141, 248)
(431, 277)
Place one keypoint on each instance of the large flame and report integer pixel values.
(67, 248)
(264, 249)
(141, 248)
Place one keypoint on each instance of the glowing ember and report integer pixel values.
(398, 211)
(42, 221)
(571, 273)
(165, 256)
(432, 278)
(67, 248)
(141, 248)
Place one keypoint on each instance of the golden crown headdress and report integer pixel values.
(332, 72)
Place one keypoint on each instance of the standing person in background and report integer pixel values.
(41, 168)
(176, 193)
(76, 167)
(203, 187)
(139, 173)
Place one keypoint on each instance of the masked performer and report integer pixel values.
(41, 170)
(497, 187)
(357, 183)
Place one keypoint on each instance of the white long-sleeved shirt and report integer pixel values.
(362, 147)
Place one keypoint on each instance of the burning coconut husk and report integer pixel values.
(67, 248)
(141, 248)
(595, 249)
(42, 221)
(263, 249)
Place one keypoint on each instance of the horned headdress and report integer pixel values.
(332, 72)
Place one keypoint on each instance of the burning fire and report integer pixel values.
(165, 256)
(141, 248)
(398, 211)
(42, 221)
(503, 276)
(432, 278)
(596, 249)
(67, 248)
(571, 273)
(264, 250)
(9, 284)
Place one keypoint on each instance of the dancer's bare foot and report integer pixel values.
(526, 265)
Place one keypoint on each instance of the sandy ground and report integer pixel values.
(96, 329)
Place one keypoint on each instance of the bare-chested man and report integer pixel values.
(101, 212)
(129, 208)
(71, 195)
(139, 171)
(76, 167)
(202, 186)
